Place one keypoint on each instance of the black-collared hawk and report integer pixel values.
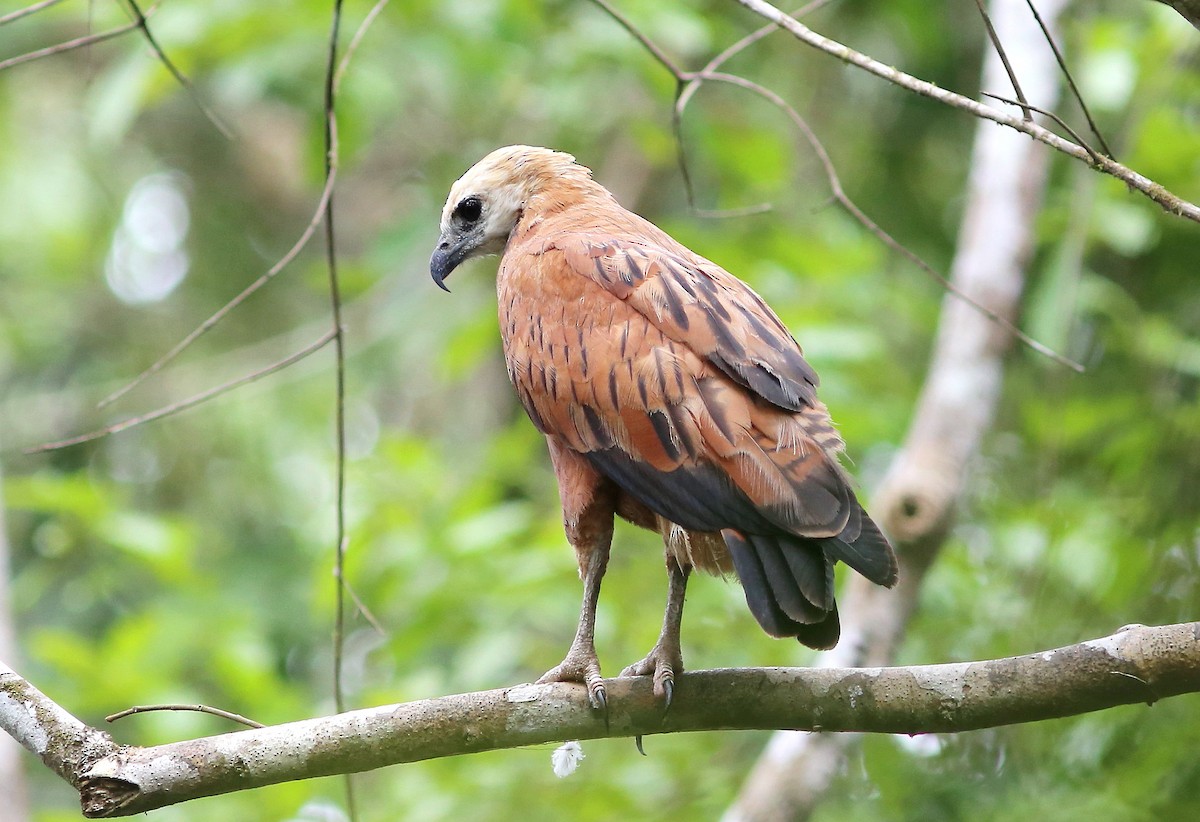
(671, 395)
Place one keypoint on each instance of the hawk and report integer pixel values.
(670, 395)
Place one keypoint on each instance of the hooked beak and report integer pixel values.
(446, 257)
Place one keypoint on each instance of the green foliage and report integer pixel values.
(189, 561)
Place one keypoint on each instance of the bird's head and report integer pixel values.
(486, 203)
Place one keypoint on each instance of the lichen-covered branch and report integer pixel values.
(12, 776)
(1136, 664)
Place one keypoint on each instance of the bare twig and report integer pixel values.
(220, 314)
(356, 40)
(1062, 65)
(1061, 123)
(122, 781)
(1168, 201)
(339, 344)
(999, 47)
(69, 45)
(33, 9)
(687, 91)
(142, 24)
(191, 402)
(842, 199)
(1188, 9)
(204, 709)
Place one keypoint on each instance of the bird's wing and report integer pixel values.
(676, 381)
(697, 303)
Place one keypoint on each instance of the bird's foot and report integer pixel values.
(581, 665)
(663, 662)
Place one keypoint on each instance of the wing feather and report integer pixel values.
(696, 302)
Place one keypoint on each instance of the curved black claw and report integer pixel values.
(637, 740)
(598, 696)
(661, 663)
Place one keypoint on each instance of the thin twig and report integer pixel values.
(844, 200)
(69, 45)
(191, 402)
(686, 90)
(339, 342)
(1062, 64)
(1062, 124)
(649, 45)
(204, 709)
(1008, 69)
(219, 315)
(359, 33)
(142, 24)
(335, 301)
(1168, 201)
(19, 13)
(364, 610)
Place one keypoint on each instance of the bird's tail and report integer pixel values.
(788, 582)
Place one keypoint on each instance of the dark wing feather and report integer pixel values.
(696, 302)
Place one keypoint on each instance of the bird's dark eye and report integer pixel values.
(469, 209)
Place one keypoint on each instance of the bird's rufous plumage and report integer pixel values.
(670, 394)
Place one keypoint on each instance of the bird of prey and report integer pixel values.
(670, 395)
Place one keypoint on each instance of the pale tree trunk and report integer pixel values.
(14, 800)
(916, 501)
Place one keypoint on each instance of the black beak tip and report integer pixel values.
(445, 259)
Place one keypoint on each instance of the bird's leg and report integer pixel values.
(581, 663)
(589, 504)
(666, 658)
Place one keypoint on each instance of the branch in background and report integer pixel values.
(203, 709)
(1170, 203)
(1189, 9)
(69, 45)
(1136, 664)
(245, 294)
(917, 499)
(144, 25)
(12, 776)
(191, 402)
(1003, 55)
(1066, 73)
(341, 539)
(13, 16)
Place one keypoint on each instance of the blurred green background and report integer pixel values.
(190, 560)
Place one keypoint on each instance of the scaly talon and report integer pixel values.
(661, 663)
(582, 666)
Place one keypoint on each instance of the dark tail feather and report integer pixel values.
(822, 635)
(864, 548)
(788, 584)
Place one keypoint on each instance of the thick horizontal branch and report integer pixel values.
(1137, 664)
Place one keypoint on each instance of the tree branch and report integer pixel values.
(1136, 664)
(1171, 203)
(12, 776)
(1189, 9)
